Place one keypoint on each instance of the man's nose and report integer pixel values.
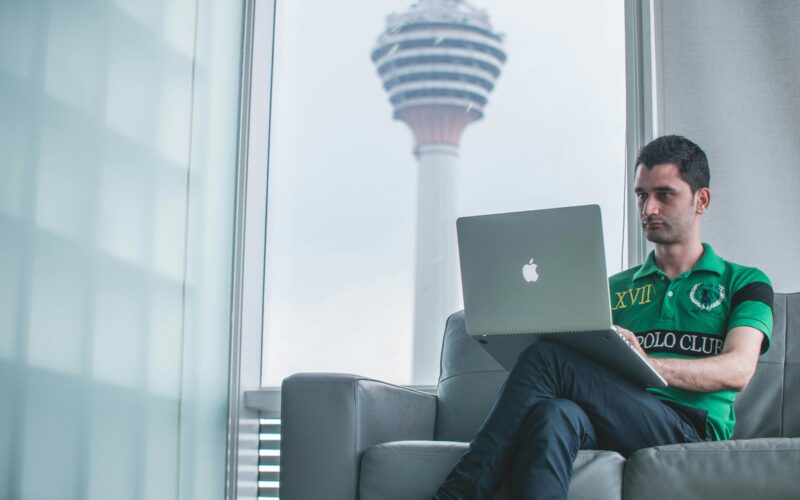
(649, 207)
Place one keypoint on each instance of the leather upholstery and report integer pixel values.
(790, 422)
(733, 470)
(416, 468)
(469, 381)
(331, 421)
(765, 407)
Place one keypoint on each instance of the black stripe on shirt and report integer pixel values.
(692, 344)
(757, 291)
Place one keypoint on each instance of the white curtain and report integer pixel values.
(727, 74)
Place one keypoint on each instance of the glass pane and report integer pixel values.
(83, 282)
(512, 106)
(114, 338)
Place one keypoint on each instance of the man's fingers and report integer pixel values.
(631, 338)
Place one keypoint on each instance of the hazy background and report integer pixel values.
(342, 180)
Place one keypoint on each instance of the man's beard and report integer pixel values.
(667, 234)
(661, 237)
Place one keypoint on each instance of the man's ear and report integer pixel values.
(702, 200)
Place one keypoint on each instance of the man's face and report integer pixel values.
(667, 207)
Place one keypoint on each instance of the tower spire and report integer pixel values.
(439, 62)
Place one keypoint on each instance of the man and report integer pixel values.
(699, 320)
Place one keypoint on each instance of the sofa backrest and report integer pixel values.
(770, 405)
(470, 380)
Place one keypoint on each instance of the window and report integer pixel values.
(361, 263)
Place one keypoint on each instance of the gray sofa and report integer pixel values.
(347, 437)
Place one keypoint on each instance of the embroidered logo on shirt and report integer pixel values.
(707, 296)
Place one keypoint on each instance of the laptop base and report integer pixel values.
(606, 347)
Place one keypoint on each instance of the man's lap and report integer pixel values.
(625, 416)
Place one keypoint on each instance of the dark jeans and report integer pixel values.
(554, 403)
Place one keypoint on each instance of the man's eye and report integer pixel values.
(641, 196)
(665, 196)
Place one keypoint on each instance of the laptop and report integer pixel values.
(541, 275)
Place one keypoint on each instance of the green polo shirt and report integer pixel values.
(689, 317)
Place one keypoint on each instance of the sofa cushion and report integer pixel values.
(469, 382)
(746, 469)
(413, 470)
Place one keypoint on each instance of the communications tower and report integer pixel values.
(438, 61)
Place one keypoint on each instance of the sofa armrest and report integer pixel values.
(329, 420)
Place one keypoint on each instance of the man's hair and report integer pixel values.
(690, 159)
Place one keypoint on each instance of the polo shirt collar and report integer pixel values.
(649, 267)
(710, 261)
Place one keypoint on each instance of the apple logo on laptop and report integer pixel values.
(529, 272)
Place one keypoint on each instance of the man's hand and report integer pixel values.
(632, 339)
(731, 370)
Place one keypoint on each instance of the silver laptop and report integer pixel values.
(529, 276)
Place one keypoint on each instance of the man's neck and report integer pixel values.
(678, 258)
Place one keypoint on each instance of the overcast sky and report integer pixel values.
(342, 178)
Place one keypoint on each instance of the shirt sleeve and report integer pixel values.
(751, 305)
